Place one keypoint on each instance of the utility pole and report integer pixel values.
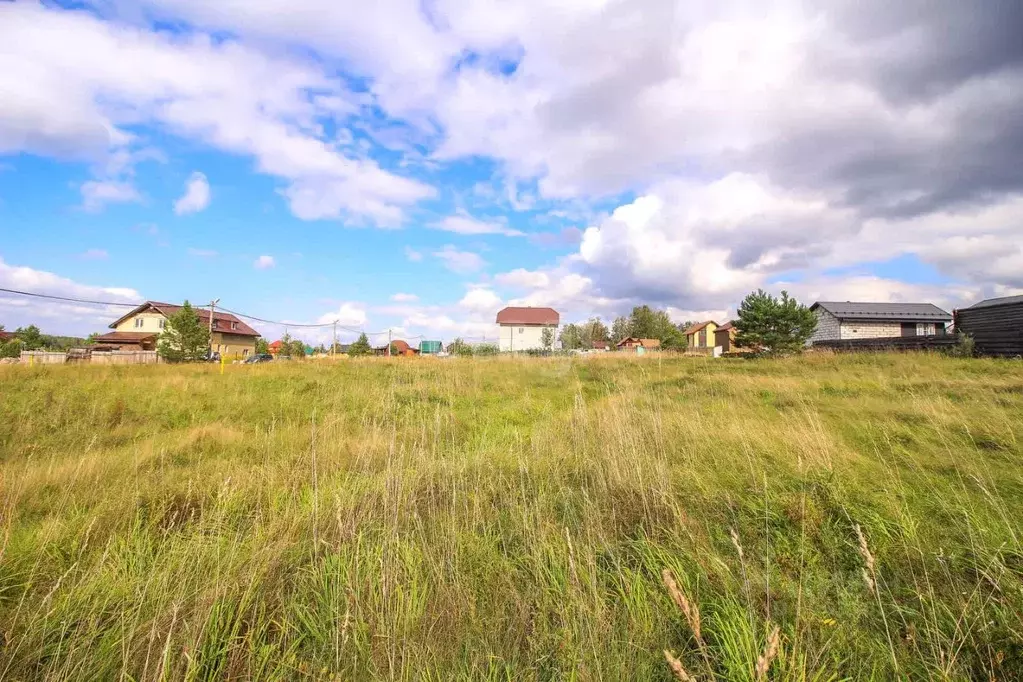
(388, 343)
(213, 306)
(333, 344)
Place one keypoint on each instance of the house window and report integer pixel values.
(923, 329)
(245, 352)
(234, 325)
(522, 329)
(139, 322)
(703, 338)
(162, 323)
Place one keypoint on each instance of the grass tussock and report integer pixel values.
(825, 518)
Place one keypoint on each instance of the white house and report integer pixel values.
(836, 320)
(522, 328)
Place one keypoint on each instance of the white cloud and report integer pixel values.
(521, 278)
(481, 300)
(463, 223)
(264, 263)
(413, 255)
(202, 253)
(196, 197)
(348, 314)
(96, 194)
(58, 316)
(76, 86)
(404, 298)
(459, 261)
(95, 254)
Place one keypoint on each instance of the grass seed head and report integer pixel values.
(676, 668)
(735, 541)
(688, 608)
(769, 654)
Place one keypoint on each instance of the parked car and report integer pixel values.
(213, 357)
(258, 358)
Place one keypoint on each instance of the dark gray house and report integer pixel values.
(837, 321)
(996, 325)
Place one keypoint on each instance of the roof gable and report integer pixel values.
(699, 326)
(910, 312)
(992, 302)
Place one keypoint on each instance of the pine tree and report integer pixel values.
(774, 326)
(361, 346)
(184, 337)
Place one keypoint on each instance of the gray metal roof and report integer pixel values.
(991, 302)
(909, 312)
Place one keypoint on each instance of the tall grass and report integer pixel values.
(847, 517)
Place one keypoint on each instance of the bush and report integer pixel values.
(964, 348)
(485, 349)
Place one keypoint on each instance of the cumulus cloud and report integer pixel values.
(96, 194)
(413, 255)
(348, 314)
(79, 103)
(59, 316)
(462, 262)
(463, 223)
(264, 263)
(481, 300)
(94, 254)
(196, 197)
(404, 298)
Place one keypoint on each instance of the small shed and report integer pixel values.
(724, 336)
(994, 324)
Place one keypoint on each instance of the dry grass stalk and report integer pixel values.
(735, 541)
(689, 609)
(868, 560)
(769, 654)
(676, 668)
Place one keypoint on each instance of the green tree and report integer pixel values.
(184, 337)
(360, 347)
(297, 348)
(571, 337)
(775, 326)
(486, 349)
(547, 338)
(620, 330)
(594, 330)
(285, 348)
(262, 347)
(10, 349)
(456, 346)
(29, 336)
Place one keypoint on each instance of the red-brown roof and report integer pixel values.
(727, 326)
(221, 321)
(634, 341)
(6, 336)
(524, 316)
(697, 327)
(124, 337)
(599, 345)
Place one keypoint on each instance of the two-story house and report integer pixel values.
(140, 328)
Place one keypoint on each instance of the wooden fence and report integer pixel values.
(114, 357)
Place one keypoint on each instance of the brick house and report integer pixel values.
(837, 320)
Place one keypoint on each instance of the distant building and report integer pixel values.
(522, 327)
(701, 335)
(633, 342)
(600, 345)
(995, 325)
(724, 336)
(140, 328)
(837, 321)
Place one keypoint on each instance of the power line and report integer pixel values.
(243, 315)
(72, 300)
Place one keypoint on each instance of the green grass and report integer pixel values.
(510, 519)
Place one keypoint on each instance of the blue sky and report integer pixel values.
(417, 168)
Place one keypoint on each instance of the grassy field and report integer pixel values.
(512, 519)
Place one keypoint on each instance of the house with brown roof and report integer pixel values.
(633, 342)
(701, 335)
(522, 327)
(140, 328)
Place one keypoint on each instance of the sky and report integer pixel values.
(416, 165)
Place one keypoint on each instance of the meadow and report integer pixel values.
(819, 518)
